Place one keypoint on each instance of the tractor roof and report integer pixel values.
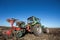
(32, 18)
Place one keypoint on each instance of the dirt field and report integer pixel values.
(43, 37)
(53, 35)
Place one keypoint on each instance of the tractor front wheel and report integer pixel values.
(20, 33)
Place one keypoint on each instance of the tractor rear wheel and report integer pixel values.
(37, 30)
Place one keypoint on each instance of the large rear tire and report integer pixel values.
(37, 30)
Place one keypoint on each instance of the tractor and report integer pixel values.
(34, 26)
(16, 32)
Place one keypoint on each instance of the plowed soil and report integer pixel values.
(53, 35)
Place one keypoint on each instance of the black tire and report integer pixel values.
(20, 33)
(37, 30)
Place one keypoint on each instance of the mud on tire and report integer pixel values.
(37, 30)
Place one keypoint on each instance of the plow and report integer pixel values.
(33, 26)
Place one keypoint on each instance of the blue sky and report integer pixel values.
(47, 10)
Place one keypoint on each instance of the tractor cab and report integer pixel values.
(33, 20)
(20, 24)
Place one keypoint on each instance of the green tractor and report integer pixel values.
(34, 25)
